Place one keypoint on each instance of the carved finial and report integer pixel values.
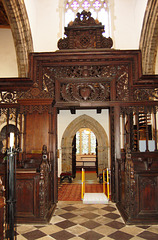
(84, 18)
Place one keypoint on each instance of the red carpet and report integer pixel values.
(72, 192)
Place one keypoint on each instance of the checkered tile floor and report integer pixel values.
(75, 220)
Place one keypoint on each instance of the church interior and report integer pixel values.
(79, 89)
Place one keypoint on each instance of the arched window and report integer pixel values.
(98, 8)
(85, 141)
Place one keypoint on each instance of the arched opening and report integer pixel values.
(5, 135)
(20, 27)
(84, 151)
(84, 121)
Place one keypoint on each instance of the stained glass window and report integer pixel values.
(93, 142)
(85, 141)
(98, 8)
(78, 142)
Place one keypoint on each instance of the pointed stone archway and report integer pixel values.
(84, 121)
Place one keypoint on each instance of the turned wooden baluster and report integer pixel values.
(155, 128)
(147, 130)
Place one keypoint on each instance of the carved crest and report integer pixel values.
(85, 92)
(86, 32)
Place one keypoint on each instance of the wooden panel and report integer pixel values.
(27, 192)
(37, 126)
(1, 217)
(148, 199)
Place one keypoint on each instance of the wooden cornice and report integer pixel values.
(146, 80)
(15, 84)
(33, 102)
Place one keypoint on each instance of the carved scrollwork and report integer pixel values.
(63, 43)
(85, 92)
(84, 18)
(122, 84)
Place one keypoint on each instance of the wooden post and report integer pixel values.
(117, 148)
(55, 165)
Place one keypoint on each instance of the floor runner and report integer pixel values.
(72, 192)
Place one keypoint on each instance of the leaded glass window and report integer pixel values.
(98, 8)
(85, 141)
(78, 142)
(93, 142)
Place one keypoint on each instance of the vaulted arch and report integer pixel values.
(21, 32)
(149, 36)
(84, 121)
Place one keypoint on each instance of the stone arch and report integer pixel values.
(66, 143)
(21, 32)
(149, 36)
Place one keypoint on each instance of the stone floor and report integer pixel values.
(75, 220)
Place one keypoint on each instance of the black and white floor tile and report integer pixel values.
(77, 221)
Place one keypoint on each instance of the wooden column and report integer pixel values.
(117, 148)
(155, 123)
(55, 165)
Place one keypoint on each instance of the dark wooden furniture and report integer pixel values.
(34, 201)
(83, 75)
(2, 210)
(66, 175)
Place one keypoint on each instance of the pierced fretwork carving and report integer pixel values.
(85, 92)
(145, 94)
(84, 33)
(8, 97)
(35, 92)
(122, 84)
(78, 71)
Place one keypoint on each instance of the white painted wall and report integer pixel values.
(128, 20)
(47, 22)
(65, 118)
(8, 61)
(47, 26)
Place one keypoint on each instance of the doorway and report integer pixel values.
(67, 140)
(84, 151)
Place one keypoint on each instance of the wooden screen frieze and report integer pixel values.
(145, 94)
(34, 108)
(85, 71)
(85, 92)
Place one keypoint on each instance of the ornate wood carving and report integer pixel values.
(8, 97)
(83, 33)
(44, 184)
(145, 94)
(85, 92)
(34, 108)
(35, 92)
(122, 84)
